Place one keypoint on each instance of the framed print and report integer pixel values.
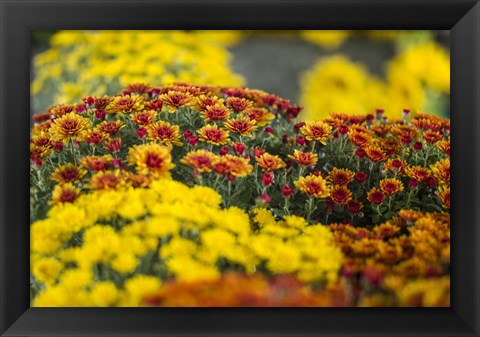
(239, 168)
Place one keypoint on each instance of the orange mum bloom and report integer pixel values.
(138, 180)
(68, 173)
(94, 136)
(212, 134)
(432, 136)
(41, 139)
(243, 126)
(418, 173)
(39, 152)
(217, 112)
(340, 194)
(391, 186)
(164, 132)
(314, 186)
(375, 196)
(143, 118)
(111, 127)
(176, 99)
(317, 130)
(239, 166)
(261, 115)
(441, 170)
(269, 162)
(444, 146)
(104, 180)
(443, 193)
(69, 126)
(96, 163)
(139, 88)
(238, 104)
(304, 158)
(125, 104)
(395, 165)
(340, 176)
(62, 109)
(375, 153)
(201, 160)
(202, 102)
(152, 159)
(360, 138)
(64, 193)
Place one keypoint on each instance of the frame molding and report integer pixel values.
(19, 17)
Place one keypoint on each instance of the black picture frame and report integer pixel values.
(19, 17)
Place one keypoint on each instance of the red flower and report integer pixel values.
(360, 153)
(267, 179)
(239, 148)
(265, 198)
(141, 132)
(223, 150)
(287, 191)
(418, 146)
(361, 176)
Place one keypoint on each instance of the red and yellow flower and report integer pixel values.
(441, 170)
(391, 186)
(443, 194)
(151, 159)
(111, 127)
(313, 186)
(375, 153)
(94, 136)
(340, 194)
(164, 133)
(64, 193)
(68, 173)
(238, 104)
(96, 163)
(304, 158)
(213, 134)
(105, 180)
(176, 99)
(375, 196)
(200, 160)
(70, 126)
(269, 162)
(340, 176)
(144, 118)
(261, 115)
(243, 126)
(317, 130)
(216, 112)
(125, 104)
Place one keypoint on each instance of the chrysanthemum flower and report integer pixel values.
(202, 102)
(114, 144)
(111, 127)
(239, 166)
(200, 160)
(360, 138)
(269, 162)
(64, 193)
(243, 126)
(443, 193)
(126, 104)
(238, 104)
(314, 186)
(261, 115)
(94, 136)
(304, 158)
(212, 134)
(104, 180)
(164, 133)
(42, 140)
(96, 163)
(61, 109)
(221, 165)
(419, 173)
(441, 170)
(68, 173)
(138, 180)
(69, 126)
(391, 186)
(37, 153)
(144, 118)
(317, 130)
(395, 165)
(176, 99)
(375, 196)
(138, 88)
(375, 153)
(432, 136)
(217, 112)
(354, 206)
(340, 176)
(151, 159)
(444, 146)
(340, 194)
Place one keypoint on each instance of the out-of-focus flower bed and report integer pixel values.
(139, 195)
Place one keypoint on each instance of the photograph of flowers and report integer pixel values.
(240, 168)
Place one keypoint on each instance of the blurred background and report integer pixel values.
(352, 72)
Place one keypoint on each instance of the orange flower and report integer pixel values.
(243, 126)
(42, 140)
(395, 165)
(68, 173)
(375, 196)
(304, 158)
(375, 153)
(443, 193)
(64, 193)
(441, 170)
(391, 186)
(270, 163)
(238, 104)
(212, 134)
(94, 136)
(111, 127)
(340, 176)
(37, 153)
(317, 130)
(69, 126)
(125, 104)
(143, 118)
(201, 160)
(261, 115)
(217, 112)
(418, 173)
(138, 180)
(432, 136)
(202, 102)
(360, 138)
(62, 109)
(444, 146)
(96, 163)
(176, 99)
(340, 194)
(314, 186)
(104, 180)
(239, 166)
(164, 132)
(139, 88)
(151, 159)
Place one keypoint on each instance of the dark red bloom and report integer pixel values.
(267, 179)
(418, 146)
(193, 140)
(239, 148)
(268, 130)
(223, 150)
(301, 140)
(287, 191)
(430, 181)
(360, 153)
(100, 114)
(265, 198)
(361, 176)
(141, 132)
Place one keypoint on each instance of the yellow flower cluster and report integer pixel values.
(336, 84)
(100, 62)
(121, 250)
